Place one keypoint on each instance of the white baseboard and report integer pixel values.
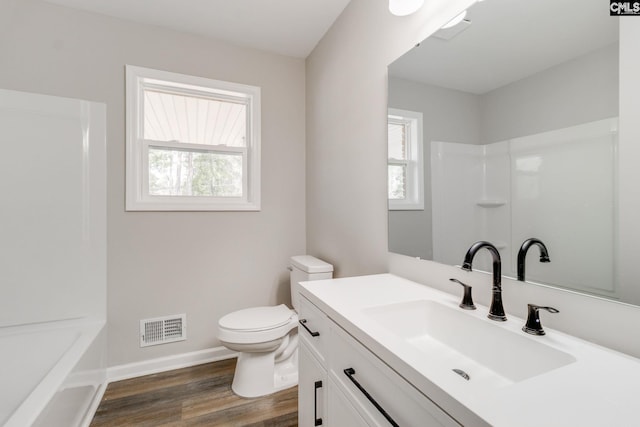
(162, 364)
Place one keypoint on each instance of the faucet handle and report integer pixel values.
(533, 325)
(467, 299)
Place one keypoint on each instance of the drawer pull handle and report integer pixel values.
(303, 323)
(317, 421)
(350, 372)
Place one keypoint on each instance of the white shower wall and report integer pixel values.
(470, 187)
(53, 220)
(558, 186)
(456, 183)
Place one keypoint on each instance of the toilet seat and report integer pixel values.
(257, 324)
(257, 318)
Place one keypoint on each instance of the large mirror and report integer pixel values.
(503, 127)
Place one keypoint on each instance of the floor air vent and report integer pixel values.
(162, 330)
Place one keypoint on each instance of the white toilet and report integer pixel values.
(267, 337)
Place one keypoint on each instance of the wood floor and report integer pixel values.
(196, 396)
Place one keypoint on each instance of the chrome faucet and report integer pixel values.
(496, 311)
(522, 254)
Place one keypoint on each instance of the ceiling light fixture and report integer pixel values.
(455, 21)
(404, 7)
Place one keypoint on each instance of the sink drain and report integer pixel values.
(462, 373)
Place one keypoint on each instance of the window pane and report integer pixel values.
(397, 182)
(194, 120)
(192, 173)
(397, 141)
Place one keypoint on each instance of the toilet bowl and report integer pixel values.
(266, 338)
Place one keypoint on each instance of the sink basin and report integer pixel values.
(457, 340)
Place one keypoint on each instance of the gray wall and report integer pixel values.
(204, 264)
(578, 91)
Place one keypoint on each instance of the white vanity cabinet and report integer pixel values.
(342, 383)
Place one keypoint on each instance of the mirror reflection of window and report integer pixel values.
(398, 133)
(405, 164)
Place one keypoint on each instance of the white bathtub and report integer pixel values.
(52, 374)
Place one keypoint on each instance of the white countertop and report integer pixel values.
(601, 388)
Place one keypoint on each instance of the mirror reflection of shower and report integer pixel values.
(553, 185)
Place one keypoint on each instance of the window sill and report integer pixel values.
(186, 206)
(406, 206)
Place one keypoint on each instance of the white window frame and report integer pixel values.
(137, 148)
(414, 163)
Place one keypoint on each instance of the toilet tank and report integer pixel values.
(305, 268)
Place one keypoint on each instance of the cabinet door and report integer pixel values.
(312, 389)
(380, 395)
(341, 412)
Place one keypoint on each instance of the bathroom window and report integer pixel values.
(405, 161)
(193, 144)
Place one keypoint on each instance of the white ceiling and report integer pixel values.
(287, 27)
(508, 40)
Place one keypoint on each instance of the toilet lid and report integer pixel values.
(257, 318)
